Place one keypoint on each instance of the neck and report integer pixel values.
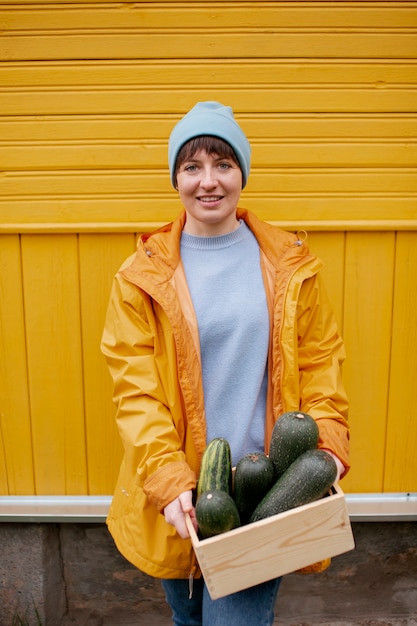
(199, 229)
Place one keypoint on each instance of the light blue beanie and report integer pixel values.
(216, 120)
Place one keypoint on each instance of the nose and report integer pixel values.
(208, 178)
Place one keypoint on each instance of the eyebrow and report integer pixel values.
(194, 159)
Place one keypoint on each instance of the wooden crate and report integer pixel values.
(275, 546)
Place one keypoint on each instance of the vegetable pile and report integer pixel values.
(295, 472)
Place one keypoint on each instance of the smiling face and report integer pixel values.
(209, 186)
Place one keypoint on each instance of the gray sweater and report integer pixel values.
(226, 286)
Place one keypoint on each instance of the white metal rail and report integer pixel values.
(362, 507)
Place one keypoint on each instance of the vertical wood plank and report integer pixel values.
(401, 447)
(367, 331)
(16, 463)
(330, 247)
(55, 371)
(4, 482)
(100, 258)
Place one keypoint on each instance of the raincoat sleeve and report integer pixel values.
(152, 444)
(321, 354)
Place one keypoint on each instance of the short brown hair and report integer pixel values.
(208, 143)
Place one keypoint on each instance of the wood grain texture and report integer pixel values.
(367, 327)
(104, 449)
(275, 546)
(400, 457)
(54, 362)
(89, 92)
(16, 451)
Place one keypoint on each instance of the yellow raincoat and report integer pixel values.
(150, 341)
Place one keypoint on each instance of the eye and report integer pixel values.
(191, 167)
(224, 165)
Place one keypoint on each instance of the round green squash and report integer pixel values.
(216, 512)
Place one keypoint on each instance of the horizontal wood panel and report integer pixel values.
(217, 44)
(136, 100)
(279, 180)
(143, 154)
(42, 184)
(158, 127)
(346, 212)
(301, 4)
(380, 73)
(306, 99)
(204, 15)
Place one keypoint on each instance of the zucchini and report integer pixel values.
(216, 467)
(254, 476)
(308, 479)
(216, 512)
(293, 433)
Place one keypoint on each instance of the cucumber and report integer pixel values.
(216, 467)
(216, 512)
(308, 479)
(254, 476)
(293, 433)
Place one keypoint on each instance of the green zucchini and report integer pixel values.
(254, 476)
(293, 433)
(308, 479)
(216, 512)
(216, 467)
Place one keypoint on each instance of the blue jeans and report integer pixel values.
(251, 607)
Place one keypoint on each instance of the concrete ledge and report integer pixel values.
(381, 507)
(362, 507)
(71, 509)
(73, 575)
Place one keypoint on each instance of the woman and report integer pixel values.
(216, 326)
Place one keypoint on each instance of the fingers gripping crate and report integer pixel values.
(275, 546)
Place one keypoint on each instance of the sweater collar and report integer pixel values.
(280, 247)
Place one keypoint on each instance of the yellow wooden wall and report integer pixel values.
(89, 92)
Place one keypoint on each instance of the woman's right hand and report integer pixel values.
(174, 513)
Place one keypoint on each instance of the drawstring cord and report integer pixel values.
(302, 237)
(190, 585)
